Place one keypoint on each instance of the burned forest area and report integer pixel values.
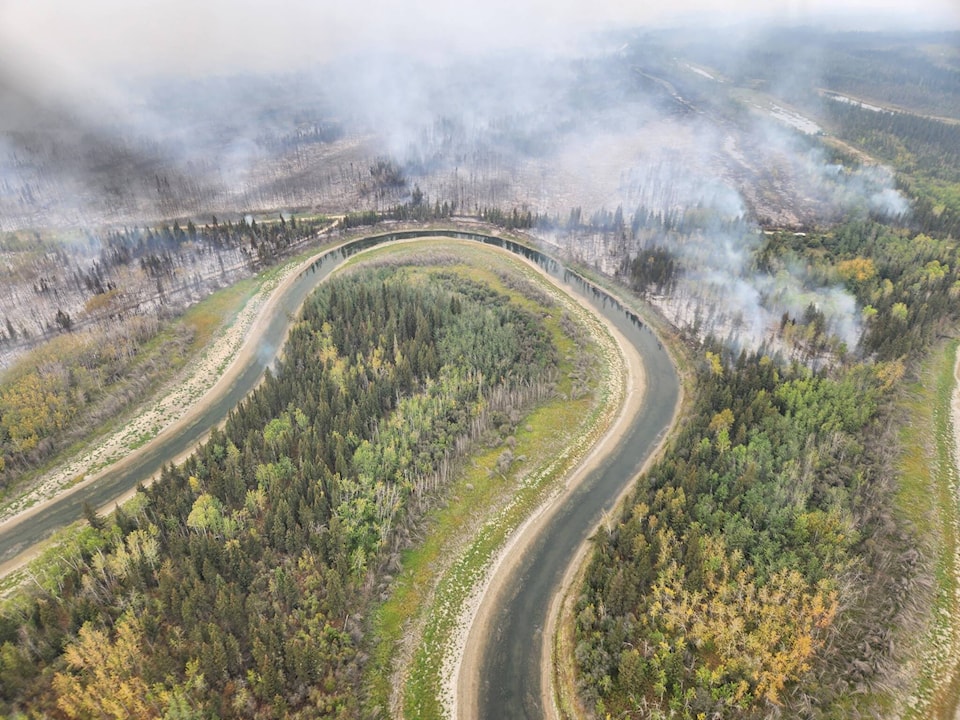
(780, 205)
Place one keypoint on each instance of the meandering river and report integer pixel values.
(510, 672)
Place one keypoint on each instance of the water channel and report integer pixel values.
(511, 684)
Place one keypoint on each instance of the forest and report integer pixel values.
(756, 566)
(118, 325)
(237, 585)
(764, 567)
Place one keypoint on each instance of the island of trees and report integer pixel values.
(238, 584)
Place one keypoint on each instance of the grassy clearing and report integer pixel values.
(485, 506)
(927, 499)
(218, 311)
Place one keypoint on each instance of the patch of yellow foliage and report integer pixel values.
(858, 269)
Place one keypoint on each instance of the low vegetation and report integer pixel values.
(927, 498)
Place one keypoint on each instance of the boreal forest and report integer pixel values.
(243, 568)
(614, 378)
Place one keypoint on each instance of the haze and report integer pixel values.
(216, 36)
(118, 114)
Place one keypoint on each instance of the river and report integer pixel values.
(511, 665)
(510, 669)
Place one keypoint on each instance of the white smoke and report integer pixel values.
(744, 305)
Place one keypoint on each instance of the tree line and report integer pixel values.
(419, 209)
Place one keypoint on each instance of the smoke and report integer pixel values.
(218, 37)
(865, 190)
(684, 181)
(721, 292)
(523, 101)
(823, 189)
(619, 128)
(678, 181)
(509, 104)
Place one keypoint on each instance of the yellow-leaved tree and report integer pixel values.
(105, 676)
(750, 638)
